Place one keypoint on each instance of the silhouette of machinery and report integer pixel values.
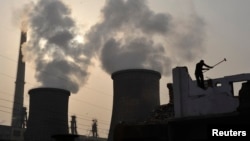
(73, 125)
(94, 128)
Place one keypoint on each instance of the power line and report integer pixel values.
(6, 112)
(82, 124)
(86, 87)
(92, 89)
(10, 59)
(79, 100)
(83, 116)
(9, 101)
(72, 98)
(80, 118)
(5, 107)
(48, 73)
(18, 103)
(42, 109)
(7, 75)
(26, 82)
(6, 100)
(96, 91)
(4, 93)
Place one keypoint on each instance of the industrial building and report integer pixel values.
(18, 123)
(48, 112)
(136, 94)
(195, 111)
(137, 113)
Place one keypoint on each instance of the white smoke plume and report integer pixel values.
(20, 16)
(131, 35)
(53, 47)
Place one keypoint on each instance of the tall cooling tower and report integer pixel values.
(136, 94)
(48, 114)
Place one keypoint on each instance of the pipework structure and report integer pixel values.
(136, 94)
(73, 125)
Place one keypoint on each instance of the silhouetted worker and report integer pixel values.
(199, 74)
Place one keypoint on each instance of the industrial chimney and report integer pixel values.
(48, 114)
(136, 94)
(19, 87)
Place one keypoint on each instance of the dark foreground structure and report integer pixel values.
(48, 114)
(185, 129)
(231, 125)
(136, 94)
(66, 137)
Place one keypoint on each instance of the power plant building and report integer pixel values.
(135, 97)
(48, 114)
(136, 94)
(196, 111)
(48, 111)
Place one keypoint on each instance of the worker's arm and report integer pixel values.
(207, 66)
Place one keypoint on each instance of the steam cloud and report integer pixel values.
(53, 47)
(20, 16)
(133, 36)
(130, 35)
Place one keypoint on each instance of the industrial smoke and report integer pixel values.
(58, 56)
(129, 35)
(133, 36)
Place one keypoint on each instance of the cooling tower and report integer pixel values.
(136, 94)
(48, 114)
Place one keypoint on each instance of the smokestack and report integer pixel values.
(48, 114)
(19, 87)
(170, 92)
(136, 94)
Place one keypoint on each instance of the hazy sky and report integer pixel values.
(223, 33)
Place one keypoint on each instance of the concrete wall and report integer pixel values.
(190, 100)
